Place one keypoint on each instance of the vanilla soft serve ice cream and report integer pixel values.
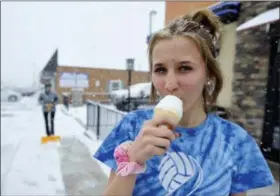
(171, 106)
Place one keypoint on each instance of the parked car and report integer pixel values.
(27, 91)
(9, 95)
(134, 103)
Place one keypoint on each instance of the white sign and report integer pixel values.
(74, 80)
(67, 80)
(82, 80)
(97, 83)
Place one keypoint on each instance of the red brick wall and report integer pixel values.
(177, 8)
(103, 75)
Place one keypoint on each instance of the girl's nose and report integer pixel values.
(171, 83)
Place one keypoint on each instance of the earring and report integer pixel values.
(210, 86)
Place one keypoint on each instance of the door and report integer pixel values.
(271, 133)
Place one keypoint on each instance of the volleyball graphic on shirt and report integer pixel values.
(177, 169)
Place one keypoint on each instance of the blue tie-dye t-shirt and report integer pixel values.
(215, 159)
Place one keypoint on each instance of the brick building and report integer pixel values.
(94, 83)
(249, 58)
(99, 81)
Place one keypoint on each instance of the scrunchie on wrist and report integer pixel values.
(125, 167)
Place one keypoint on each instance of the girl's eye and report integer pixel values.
(160, 70)
(185, 68)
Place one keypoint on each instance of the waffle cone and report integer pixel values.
(171, 114)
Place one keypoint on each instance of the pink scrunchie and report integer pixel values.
(125, 167)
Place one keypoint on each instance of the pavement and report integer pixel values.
(81, 174)
(65, 168)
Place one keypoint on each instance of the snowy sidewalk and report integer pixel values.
(82, 175)
(36, 169)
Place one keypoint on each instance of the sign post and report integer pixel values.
(130, 68)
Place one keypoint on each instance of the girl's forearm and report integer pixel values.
(121, 186)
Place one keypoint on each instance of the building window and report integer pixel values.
(115, 85)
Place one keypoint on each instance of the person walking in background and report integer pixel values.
(48, 99)
(66, 100)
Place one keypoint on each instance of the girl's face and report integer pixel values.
(178, 69)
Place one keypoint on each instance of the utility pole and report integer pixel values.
(151, 14)
(129, 67)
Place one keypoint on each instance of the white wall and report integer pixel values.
(226, 59)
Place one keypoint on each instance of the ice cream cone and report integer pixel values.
(171, 114)
(170, 106)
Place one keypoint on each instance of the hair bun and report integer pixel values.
(209, 20)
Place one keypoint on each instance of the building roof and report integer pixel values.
(52, 63)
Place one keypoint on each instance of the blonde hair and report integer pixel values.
(203, 27)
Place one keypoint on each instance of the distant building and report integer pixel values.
(95, 83)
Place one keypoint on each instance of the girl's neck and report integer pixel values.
(193, 116)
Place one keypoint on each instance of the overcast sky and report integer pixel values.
(90, 34)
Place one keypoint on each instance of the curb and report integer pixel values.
(87, 133)
(67, 113)
(80, 122)
(90, 135)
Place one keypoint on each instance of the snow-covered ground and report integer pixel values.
(31, 168)
(27, 166)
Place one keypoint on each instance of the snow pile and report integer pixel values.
(135, 90)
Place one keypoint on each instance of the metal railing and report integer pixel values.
(101, 119)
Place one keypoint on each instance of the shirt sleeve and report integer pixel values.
(124, 131)
(251, 169)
